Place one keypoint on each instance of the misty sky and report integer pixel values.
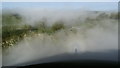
(60, 0)
(100, 6)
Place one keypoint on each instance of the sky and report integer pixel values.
(73, 5)
(60, 0)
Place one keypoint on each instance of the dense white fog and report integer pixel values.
(102, 37)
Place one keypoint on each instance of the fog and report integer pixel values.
(102, 37)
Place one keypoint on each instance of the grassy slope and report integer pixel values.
(13, 31)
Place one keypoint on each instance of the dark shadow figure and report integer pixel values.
(76, 51)
(106, 56)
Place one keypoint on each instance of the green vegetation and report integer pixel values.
(13, 30)
(57, 26)
(43, 28)
(11, 19)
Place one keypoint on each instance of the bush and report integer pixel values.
(57, 26)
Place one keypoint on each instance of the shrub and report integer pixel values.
(57, 26)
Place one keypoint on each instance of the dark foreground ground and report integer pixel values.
(88, 59)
